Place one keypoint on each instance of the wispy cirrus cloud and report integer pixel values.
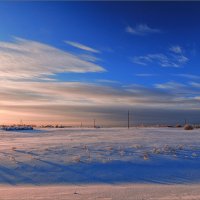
(75, 101)
(146, 75)
(170, 85)
(107, 81)
(195, 84)
(141, 29)
(96, 94)
(174, 58)
(189, 76)
(82, 46)
(26, 59)
(161, 60)
(89, 58)
(176, 49)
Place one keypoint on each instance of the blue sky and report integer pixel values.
(142, 56)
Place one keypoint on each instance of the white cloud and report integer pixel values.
(107, 81)
(195, 84)
(81, 46)
(141, 29)
(26, 59)
(145, 75)
(74, 101)
(93, 94)
(170, 85)
(176, 49)
(89, 58)
(190, 76)
(163, 60)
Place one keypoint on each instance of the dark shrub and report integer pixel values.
(178, 126)
(188, 127)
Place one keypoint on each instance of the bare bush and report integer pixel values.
(178, 126)
(188, 127)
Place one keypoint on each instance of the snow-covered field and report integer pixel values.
(100, 163)
(101, 192)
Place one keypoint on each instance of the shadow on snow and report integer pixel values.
(49, 172)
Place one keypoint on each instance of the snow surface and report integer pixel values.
(61, 159)
(101, 192)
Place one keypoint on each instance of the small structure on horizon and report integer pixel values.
(96, 126)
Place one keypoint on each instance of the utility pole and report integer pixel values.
(185, 121)
(94, 123)
(81, 125)
(128, 120)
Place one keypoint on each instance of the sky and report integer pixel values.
(72, 62)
